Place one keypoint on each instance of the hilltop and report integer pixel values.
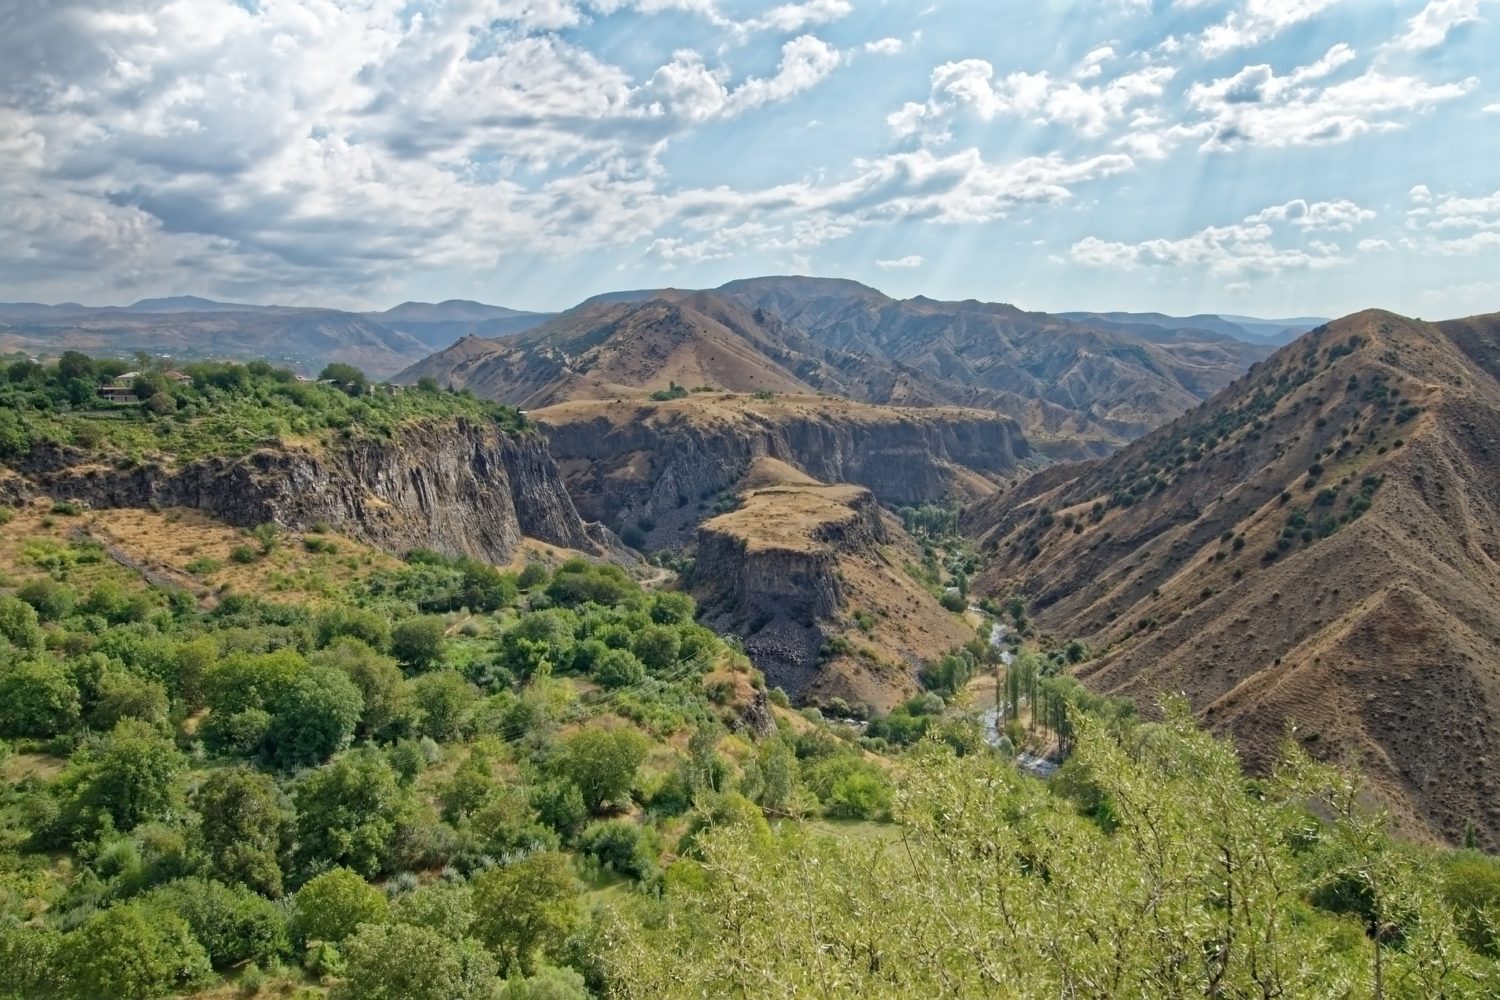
(1077, 389)
(1316, 546)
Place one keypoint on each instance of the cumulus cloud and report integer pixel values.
(884, 46)
(1256, 22)
(1430, 27)
(1259, 107)
(969, 87)
(1341, 215)
(1252, 246)
(326, 149)
(900, 263)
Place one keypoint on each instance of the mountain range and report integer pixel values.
(1078, 387)
(188, 327)
(384, 342)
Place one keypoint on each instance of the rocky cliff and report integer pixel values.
(808, 576)
(661, 465)
(457, 487)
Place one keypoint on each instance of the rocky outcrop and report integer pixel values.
(460, 488)
(663, 465)
(769, 573)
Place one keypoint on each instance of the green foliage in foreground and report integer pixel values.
(398, 793)
(1151, 868)
(226, 409)
(410, 789)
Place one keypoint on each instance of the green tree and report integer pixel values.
(132, 952)
(123, 695)
(314, 717)
(52, 601)
(406, 962)
(617, 668)
(132, 776)
(442, 700)
(349, 378)
(29, 965)
(601, 762)
(657, 646)
(245, 830)
(37, 698)
(419, 642)
(348, 812)
(331, 906)
(232, 923)
(444, 907)
(527, 908)
(381, 685)
(19, 624)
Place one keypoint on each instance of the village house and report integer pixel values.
(121, 389)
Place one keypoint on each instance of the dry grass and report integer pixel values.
(789, 517)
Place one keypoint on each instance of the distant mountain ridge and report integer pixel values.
(1251, 330)
(189, 326)
(1078, 388)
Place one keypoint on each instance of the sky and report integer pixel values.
(1267, 157)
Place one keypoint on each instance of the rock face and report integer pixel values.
(458, 488)
(662, 464)
(778, 589)
(803, 573)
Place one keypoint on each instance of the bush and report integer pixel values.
(242, 554)
(618, 668)
(132, 952)
(419, 642)
(37, 699)
(51, 600)
(330, 907)
(621, 845)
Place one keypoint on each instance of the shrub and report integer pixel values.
(242, 554)
(621, 845)
(132, 952)
(619, 668)
(331, 906)
(51, 600)
(419, 642)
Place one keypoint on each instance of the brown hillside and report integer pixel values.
(1317, 546)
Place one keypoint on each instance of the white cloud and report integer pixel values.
(806, 61)
(1249, 247)
(885, 46)
(1258, 21)
(1373, 246)
(792, 17)
(1258, 107)
(969, 87)
(1492, 109)
(1342, 215)
(1430, 27)
(900, 263)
